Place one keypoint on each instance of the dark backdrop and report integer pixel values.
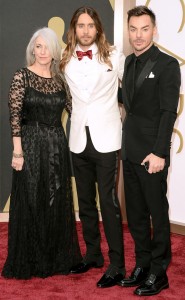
(18, 20)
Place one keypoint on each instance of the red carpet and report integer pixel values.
(83, 287)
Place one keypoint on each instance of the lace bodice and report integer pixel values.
(46, 88)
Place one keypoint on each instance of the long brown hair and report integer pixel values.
(104, 48)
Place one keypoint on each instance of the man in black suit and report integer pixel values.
(150, 93)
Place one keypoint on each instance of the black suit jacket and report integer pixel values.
(151, 113)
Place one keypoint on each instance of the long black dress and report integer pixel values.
(42, 238)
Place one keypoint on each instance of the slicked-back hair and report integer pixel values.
(140, 11)
(104, 48)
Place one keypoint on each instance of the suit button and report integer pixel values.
(130, 114)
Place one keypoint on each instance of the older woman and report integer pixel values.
(42, 235)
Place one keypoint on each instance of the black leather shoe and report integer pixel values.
(108, 281)
(84, 267)
(137, 276)
(153, 285)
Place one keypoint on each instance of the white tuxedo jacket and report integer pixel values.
(93, 87)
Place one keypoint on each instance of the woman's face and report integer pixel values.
(41, 52)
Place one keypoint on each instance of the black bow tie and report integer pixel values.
(81, 54)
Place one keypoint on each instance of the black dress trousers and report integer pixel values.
(90, 167)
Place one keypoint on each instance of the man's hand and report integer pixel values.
(155, 163)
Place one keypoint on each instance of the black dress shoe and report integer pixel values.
(84, 267)
(108, 281)
(153, 285)
(137, 276)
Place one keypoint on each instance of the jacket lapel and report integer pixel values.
(147, 69)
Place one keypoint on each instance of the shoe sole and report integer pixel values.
(131, 285)
(105, 286)
(81, 272)
(166, 286)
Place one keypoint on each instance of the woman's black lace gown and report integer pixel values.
(42, 239)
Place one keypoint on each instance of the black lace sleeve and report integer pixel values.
(16, 96)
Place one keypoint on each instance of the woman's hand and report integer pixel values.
(17, 163)
(17, 155)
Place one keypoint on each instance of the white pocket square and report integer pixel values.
(151, 75)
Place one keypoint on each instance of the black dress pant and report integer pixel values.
(146, 201)
(90, 167)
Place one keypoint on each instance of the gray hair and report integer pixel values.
(53, 45)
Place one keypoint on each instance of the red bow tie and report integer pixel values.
(81, 54)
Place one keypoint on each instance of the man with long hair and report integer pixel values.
(150, 95)
(91, 67)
